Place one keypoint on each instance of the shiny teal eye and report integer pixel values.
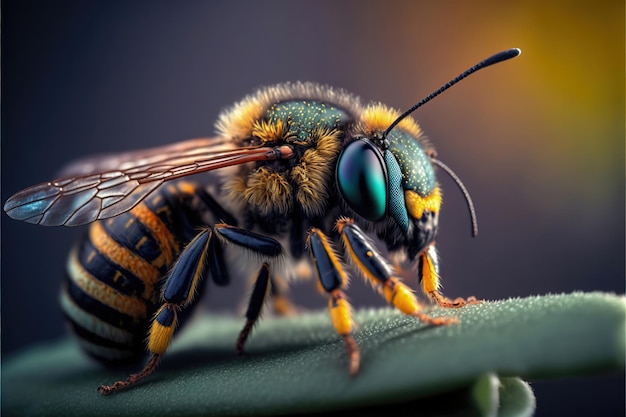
(362, 179)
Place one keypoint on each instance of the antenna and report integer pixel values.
(494, 59)
(468, 199)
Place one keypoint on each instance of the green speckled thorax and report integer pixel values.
(417, 170)
(305, 116)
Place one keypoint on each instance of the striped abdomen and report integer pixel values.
(114, 276)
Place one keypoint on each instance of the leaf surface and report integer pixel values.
(298, 365)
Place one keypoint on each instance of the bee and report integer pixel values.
(297, 172)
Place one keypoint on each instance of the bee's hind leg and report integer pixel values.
(428, 273)
(179, 290)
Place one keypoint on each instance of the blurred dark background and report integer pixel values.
(539, 140)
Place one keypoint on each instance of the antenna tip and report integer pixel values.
(509, 53)
(500, 56)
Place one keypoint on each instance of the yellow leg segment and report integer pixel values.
(178, 292)
(341, 316)
(340, 312)
(401, 297)
(162, 330)
(283, 306)
(430, 282)
(279, 299)
(332, 278)
(161, 333)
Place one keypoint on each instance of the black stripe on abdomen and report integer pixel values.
(101, 339)
(105, 270)
(110, 325)
(133, 235)
(99, 309)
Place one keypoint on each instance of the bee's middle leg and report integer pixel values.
(332, 278)
(255, 305)
(264, 247)
(279, 297)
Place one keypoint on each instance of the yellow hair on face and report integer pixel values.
(417, 204)
(269, 192)
(313, 173)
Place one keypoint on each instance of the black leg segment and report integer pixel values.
(217, 264)
(255, 305)
(255, 242)
(330, 273)
(188, 271)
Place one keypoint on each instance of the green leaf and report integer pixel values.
(485, 394)
(507, 397)
(297, 365)
(516, 398)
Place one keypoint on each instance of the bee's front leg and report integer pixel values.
(428, 273)
(375, 268)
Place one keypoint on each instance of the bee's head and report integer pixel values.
(385, 173)
(382, 180)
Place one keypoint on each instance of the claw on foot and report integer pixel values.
(243, 337)
(456, 303)
(436, 321)
(353, 354)
(133, 379)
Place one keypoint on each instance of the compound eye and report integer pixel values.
(362, 179)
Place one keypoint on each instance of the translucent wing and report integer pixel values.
(126, 160)
(102, 187)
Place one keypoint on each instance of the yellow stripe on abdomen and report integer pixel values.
(123, 256)
(161, 233)
(129, 305)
